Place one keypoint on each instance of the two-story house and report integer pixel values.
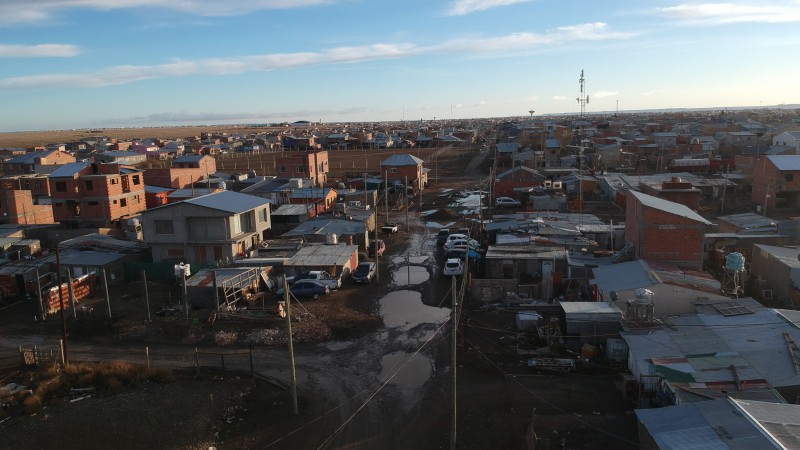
(202, 230)
(401, 168)
(25, 199)
(776, 182)
(185, 171)
(96, 195)
(312, 165)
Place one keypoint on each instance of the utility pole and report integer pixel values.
(286, 296)
(454, 342)
(405, 196)
(377, 265)
(385, 196)
(61, 302)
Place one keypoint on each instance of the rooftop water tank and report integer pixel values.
(734, 262)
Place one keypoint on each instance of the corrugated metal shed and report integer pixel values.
(229, 201)
(291, 210)
(322, 255)
(524, 252)
(669, 207)
(785, 162)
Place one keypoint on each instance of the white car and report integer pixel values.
(455, 236)
(506, 202)
(454, 267)
(461, 242)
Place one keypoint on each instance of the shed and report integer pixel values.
(592, 322)
(234, 284)
(336, 259)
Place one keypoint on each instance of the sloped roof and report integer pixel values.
(669, 207)
(785, 162)
(69, 170)
(232, 202)
(401, 159)
(519, 169)
(29, 158)
(189, 158)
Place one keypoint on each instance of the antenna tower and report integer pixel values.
(583, 100)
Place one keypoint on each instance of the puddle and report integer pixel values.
(428, 212)
(336, 346)
(419, 259)
(405, 369)
(408, 274)
(405, 309)
(470, 201)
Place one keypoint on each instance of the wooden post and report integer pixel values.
(108, 299)
(197, 361)
(286, 297)
(216, 289)
(71, 296)
(40, 308)
(146, 295)
(147, 355)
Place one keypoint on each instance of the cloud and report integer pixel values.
(38, 51)
(602, 94)
(27, 11)
(500, 45)
(464, 7)
(728, 13)
(560, 97)
(596, 31)
(183, 117)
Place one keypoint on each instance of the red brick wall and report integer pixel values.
(16, 207)
(660, 236)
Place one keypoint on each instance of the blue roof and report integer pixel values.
(785, 162)
(229, 201)
(401, 159)
(29, 158)
(668, 206)
(69, 170)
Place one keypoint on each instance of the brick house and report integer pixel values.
(664, 231)
(25, 199)
(185, 171)
(776, 182)
(208, 228)
(36, 162)
(312, 165)
(401, 168)
(518, 177)
(96, 195)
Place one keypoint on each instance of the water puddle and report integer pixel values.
(336, 346)
(470, 201)
(404, 309)
(408, 274)
(405, 369)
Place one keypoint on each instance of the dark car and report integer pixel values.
(379, 245)
(306, 289)
(441, 237)
(364, 272)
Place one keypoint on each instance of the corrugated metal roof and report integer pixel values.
(322, 226)
(781, 421)
(232, 202)
(589, 308)
(189, 158)
(291, 210)
(524, 252)
(29, 158)
(69, 170)
(624, 276)
(401, 159)
(785, 162)
(786, 255)
(322, 255)
(669, 207)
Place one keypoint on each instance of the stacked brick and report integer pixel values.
(81, 288)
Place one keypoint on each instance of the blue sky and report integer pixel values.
(108, 63)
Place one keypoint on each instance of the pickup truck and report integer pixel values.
(390, 227)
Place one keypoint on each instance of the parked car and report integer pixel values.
(441, 237)
(454, 267)
(321, 276)
(364, 272)
(390, 227)
(455, 236)
(461, 252)
(306, 289)
(377, 244)
(506, 202)
(462, 242)
(464, 231)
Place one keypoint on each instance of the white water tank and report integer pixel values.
(331, 238)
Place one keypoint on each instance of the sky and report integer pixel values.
(138, 63)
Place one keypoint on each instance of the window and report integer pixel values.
(174, 251)
(89, 185)
(136, 180)
(282, 169)
(262, 215)
(789, 177)
(244, 223)
(61, 186)
(123, 202)
(392, 169)
(93, 203)
(115, 181)
(301, 169)
(164, 227)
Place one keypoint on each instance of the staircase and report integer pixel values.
(623, 253)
